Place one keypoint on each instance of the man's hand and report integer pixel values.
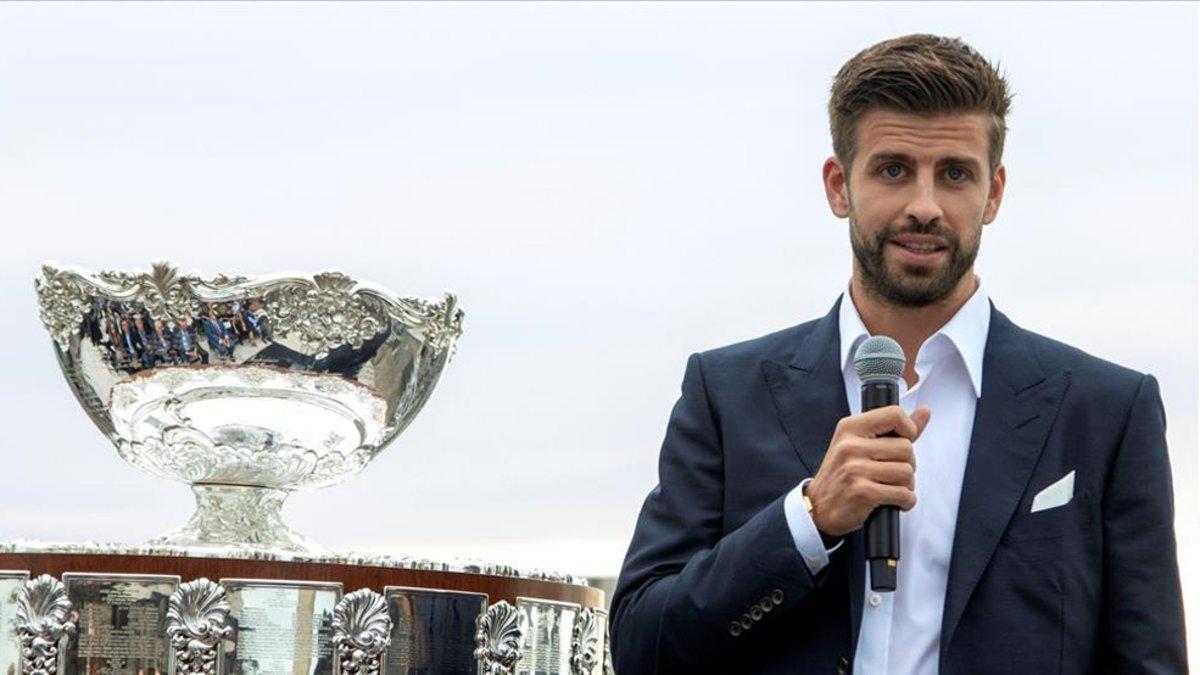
(862, 470)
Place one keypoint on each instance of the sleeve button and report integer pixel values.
(735, 629)
(756, 613)
(746, 622)
(777, 596)
(766, 605)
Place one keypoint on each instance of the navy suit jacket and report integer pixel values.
(1091, 586)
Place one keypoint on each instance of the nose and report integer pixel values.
(923, 205)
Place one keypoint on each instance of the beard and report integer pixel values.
(904, 285)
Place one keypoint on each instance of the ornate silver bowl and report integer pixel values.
(245, 388)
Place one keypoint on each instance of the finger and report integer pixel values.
(881, 421)
(891, 473)
(892, 495)
(886, 449)
(920, 417)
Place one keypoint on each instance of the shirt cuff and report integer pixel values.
(804, 530)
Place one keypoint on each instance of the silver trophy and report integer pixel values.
(245, 388)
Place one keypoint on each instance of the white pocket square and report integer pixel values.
(1058, 493)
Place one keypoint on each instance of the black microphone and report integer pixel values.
(879, 362)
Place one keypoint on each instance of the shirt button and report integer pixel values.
(875, 599)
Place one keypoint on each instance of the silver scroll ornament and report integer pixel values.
(197, 621)
(608, 666)
(245, 388)
(362, 631)
(43, 617)
(498, 635)
(585, 643)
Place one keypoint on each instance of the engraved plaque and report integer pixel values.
(121, 621)
(433, 631)
(547, 644)
(10, 645)
(279, 627)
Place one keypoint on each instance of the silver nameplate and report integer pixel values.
(122, 624)
(547, 643)
(10, 645)
(279, 627)
(433, 631)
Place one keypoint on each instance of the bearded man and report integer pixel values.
(1037, 516)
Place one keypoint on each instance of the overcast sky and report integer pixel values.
(608, 187)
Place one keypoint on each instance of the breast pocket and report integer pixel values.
(1052, 523)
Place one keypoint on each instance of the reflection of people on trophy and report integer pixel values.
(135, 340)
(219, 338)
(184, 344)
(147, 342)
(129, 341)
(160, 338)
(237, 322)
(256, 319)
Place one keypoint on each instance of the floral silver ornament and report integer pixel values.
(197, 621)
(585, 643)
(362, 632)
(43, 617)
(498, 634)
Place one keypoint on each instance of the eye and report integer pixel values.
(953, 170)
(887, 170)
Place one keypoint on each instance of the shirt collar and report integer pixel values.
(967, 331)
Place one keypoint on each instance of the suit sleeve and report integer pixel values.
(687, 587)
(1142, 629)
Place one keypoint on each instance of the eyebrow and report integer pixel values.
(952, 160)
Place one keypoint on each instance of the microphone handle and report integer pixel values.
(883, 525)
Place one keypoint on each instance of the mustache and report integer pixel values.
(943, 233)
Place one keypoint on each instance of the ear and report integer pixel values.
(995, 194)
(835, 179)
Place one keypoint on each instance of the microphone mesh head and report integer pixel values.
(878, 358)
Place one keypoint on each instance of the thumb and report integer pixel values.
(921, 417)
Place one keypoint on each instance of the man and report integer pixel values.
(184, 342)
(219, 339)
(1033, 479)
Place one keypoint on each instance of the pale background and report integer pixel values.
(608, 187)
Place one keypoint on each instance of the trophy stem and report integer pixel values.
(242, 516)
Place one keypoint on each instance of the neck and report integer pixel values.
(910, 326)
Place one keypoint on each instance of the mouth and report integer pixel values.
(918, 253)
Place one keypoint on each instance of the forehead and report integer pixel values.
(961, 134)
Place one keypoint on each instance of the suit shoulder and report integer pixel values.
(1084, 366)
(780, 345)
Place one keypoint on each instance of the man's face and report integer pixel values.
(916, 183)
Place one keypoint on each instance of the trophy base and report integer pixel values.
(238, 516)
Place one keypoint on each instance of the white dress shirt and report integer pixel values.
(901, 630)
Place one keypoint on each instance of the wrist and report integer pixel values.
(828, 540)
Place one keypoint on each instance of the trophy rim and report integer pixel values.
(442, 318)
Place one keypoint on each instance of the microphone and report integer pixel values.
(879, 362)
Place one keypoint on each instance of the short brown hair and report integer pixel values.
(917, 74)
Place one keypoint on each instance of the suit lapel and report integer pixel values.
(810, 397)
(1013, 416)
